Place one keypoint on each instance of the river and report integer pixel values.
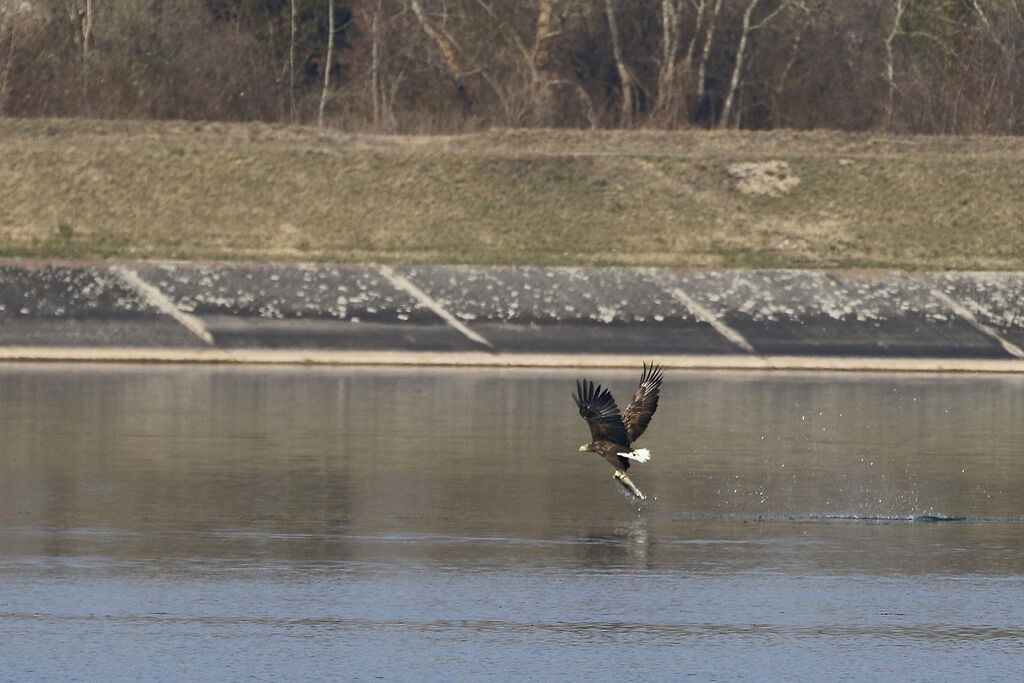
(289, 523)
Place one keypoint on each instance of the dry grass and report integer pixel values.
(252, 191)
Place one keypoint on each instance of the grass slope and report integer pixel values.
(79, 188)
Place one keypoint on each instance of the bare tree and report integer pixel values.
(702, 69)
(737, 68)
(698, 24)
(929, 66)
(328, 61)
(8, 35)
(375, 47)
(666, 105)
(675, 74)
(79, 17)
(292, 16)
(975, 6)
(778, 90)
(449, 49)
(889, 69)
(670, 11)
(386, 76)
(627, 81)
(746, 28)
(543, 76)
(87, 30)
(537, 60)
(1008, 71)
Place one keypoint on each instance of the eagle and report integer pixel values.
(613, 433)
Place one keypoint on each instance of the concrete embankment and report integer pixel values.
(511, 316)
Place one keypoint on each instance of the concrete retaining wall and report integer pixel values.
(508, 310)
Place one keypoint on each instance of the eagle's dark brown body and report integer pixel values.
(613, 433)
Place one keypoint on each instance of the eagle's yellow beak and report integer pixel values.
(583, 447)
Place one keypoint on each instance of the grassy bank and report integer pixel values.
(75, 188)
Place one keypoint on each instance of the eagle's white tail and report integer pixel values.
(640, 455)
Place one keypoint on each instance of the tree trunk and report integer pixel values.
(673, 80)
(6, 70)
(291, 65)
(87, 30)
(737, 68)
(702, 70)
(328, 59)
(626, 80)
(889, 71)
(669, 32)
(698, 24)
(544, 70)
(668, 93)
(375, 85)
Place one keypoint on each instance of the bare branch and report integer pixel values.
(510, 35)
(974, 5)
(459, 65)
(771, 15)
(449, 48)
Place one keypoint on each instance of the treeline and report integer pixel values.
(917, 66)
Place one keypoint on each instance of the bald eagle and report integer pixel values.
(612, 433)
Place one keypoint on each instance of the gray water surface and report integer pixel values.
(172, 523)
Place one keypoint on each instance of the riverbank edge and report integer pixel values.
(306, 357)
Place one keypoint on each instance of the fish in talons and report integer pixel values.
(628, 484)
(612, 433)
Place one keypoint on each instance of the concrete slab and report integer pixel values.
(820, 313)
(994, 299)
(278, 306)
(239, 332)
(568, 310)
(80, 306)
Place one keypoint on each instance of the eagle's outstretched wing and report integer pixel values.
(644, 403)
(598, 408)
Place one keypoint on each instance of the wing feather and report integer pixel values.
(644, 403)
(597, 407)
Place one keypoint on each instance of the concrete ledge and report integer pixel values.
(499, 360)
